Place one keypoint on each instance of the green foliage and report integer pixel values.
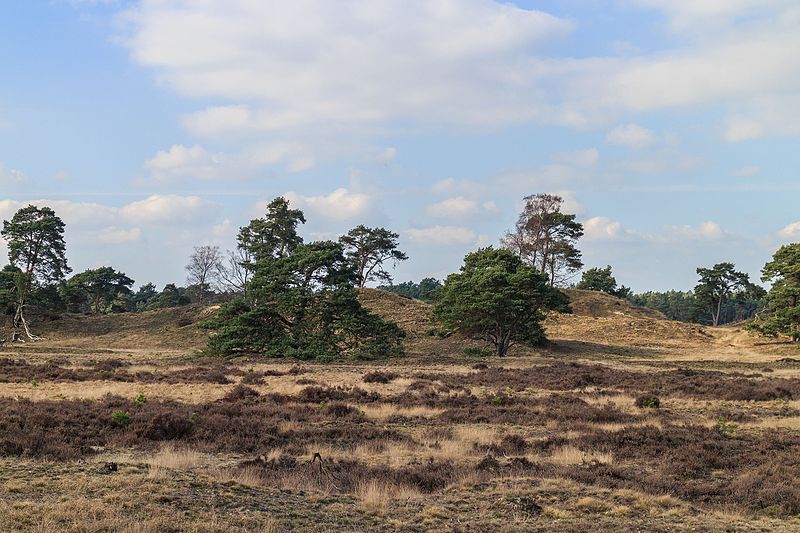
(140, 400)
(171, 296)
(273, 236)
(427, 290)
(36, 245)
(546, 238)
(499, 299)
(718, 284)
(684, 306)
(601, 279)
(783, 299)
(302, 303)
(100, 288)
(725, 428)
(120, 418)
(368, 249)
(8, 283)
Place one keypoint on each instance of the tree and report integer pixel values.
(142, 298)
(171, 296)
(602, 280)
(302, 300)
(427, 290)
(234, 274)
(8, 283)
(203, 269)
(546, 238)
(498, 298)
(368, 249)
(275, 235)
(716, 285)
(101, 287)
(35, 238)
(783, 300)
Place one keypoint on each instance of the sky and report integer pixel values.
(671, 129)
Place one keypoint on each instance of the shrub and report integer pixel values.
(378, 377)
(121, 418)
(648, 401)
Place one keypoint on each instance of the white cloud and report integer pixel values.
(748, 171)
(601, 228)
(791, 231)
(350, 61)
(442, 235)
(708, 230)
(353, 63)
(631, 135)
(113, 235)
(340, 204)
(155, 209)
(742, 129)
(460, 207)
(181, 161)
(167, 208)
(458, 186)
(197, 163)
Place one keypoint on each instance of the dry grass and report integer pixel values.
(570, 455)
(171, 458)
(376, 496)
(94, 390)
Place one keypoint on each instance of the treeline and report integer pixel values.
(283, 296)
(686, 307)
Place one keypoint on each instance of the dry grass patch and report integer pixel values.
(570, 455)
(375, 495)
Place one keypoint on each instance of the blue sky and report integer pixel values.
(671, 128)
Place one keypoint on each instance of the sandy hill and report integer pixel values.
(173, 328)
(596, 318)
(594, 303)
(414, 316)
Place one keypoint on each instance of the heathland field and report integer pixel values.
(624, 422)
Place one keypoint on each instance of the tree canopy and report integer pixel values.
(100, 287)
(601, 279)
(302, 303)
(427, 290)
(718, 284)
(36, 247)
(274, 235)
(546, 238)
(499, 299)
(368, 249)
(783, 300)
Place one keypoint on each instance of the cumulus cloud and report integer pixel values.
(460, 207)
(341, 204)
(708, 230)
(113, 235)
(601, 228)
(791, 231)
(346, 61)
(631, 135)
(196, 162)
(743, 129)
(442, 235)
(155, 210)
